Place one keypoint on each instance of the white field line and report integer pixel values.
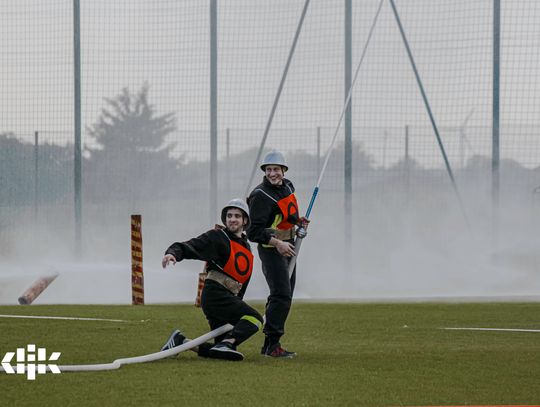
(65, 318)
(492, 329)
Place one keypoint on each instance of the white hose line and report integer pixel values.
(298, 241)
(145, 358)
(349, 94)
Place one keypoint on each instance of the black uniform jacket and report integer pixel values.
(263, 211)
(212, 247)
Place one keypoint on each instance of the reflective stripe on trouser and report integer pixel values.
(245, 328)
(221, 307)
(275, 268)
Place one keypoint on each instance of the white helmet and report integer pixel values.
(274, 157)
(236, 203)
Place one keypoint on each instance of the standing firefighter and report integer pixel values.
(230, 264)
(274, 214)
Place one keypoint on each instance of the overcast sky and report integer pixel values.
(413, 243)
(166, 44)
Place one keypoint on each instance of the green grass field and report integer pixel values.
(348, 355)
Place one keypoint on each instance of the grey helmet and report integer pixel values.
(274, 157)
(239, 204)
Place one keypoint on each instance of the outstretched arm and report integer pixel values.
(205, 247)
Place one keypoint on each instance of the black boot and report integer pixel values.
(226, 351)
(265, 345)
(277, 351)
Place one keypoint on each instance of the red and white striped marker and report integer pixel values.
(137, 278)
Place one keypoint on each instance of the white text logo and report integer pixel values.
(28, 355)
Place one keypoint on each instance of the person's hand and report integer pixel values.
(169, 258)
(303, 222)
(285, 248)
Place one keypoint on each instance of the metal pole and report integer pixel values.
(429, 112)
(228, 158)
(77, 122)
(463, 139)
(298, 242)
(213, 109)
(278, 95)
(348, 134)
(385, 143)
(36, 175)
(318, 150)
(407, 168)
(406, 145)
(495, 154)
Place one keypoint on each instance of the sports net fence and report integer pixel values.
(145, 126)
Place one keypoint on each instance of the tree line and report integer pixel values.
(130, 157)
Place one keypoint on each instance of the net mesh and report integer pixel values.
(146, 86)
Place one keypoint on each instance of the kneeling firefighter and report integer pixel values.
(230, 264)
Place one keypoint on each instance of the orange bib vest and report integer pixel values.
(240, 263)
(287, 206)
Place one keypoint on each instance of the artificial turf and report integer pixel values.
(349, 354)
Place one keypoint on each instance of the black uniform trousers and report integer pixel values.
(275, 268)
(221, 307)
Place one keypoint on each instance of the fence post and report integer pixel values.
(137, 274)
(36, 175)
(77, 159)
(213, 109)
(348, 134)
(407, 168)
(228, 161)
(495, 154)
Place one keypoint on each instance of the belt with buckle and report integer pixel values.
(280, 234)
(228, 282)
